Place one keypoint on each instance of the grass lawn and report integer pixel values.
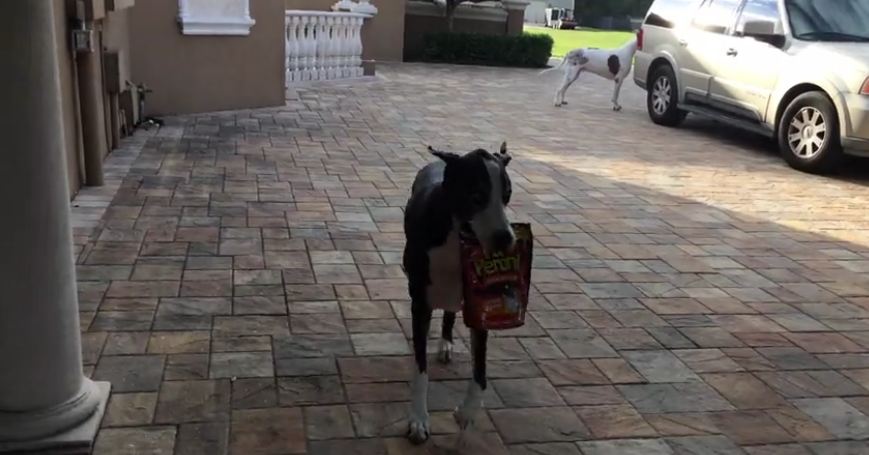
(567, 40)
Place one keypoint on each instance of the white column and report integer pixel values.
(45, 400)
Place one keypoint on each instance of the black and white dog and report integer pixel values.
(468, 192)
(612, 64)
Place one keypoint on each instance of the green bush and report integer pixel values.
(526, 50)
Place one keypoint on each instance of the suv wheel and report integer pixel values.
(662, 97)
(808, 134)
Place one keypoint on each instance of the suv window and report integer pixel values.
(829, 20)
(670, 13)
(716, 16)
(758, 10)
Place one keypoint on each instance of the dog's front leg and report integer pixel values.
(473, 402)
(418, 427)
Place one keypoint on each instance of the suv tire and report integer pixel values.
(808, 134)
(662, 97)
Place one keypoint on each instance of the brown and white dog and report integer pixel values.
(612, 64)
(458, 192)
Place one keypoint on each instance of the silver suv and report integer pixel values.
(794, 70)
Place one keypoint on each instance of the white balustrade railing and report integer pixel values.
(323, 45)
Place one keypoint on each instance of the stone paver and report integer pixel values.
(134, 441)
(691, 294)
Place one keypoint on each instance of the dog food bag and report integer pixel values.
(496, 287)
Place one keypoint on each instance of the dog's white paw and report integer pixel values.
(465, 416)
(470, 408)
(418, 426)
(418, 430)
(445, 351)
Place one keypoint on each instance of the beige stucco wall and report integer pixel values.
(112, 35)
(207, 73)
(116, 36)
(115, 30)
(382, 35)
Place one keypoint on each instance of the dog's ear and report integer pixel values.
(504, 156)
(447, 157)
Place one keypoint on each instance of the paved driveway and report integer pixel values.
(692, 295)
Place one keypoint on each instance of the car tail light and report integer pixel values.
(640, 43)
(865, 89)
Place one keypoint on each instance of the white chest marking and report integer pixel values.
(445, 271)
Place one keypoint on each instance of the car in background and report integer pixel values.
(794, 70)
(560, 18)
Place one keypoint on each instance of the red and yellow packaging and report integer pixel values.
(496, 287)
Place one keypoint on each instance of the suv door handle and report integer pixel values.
(683, 43)
(732, 52)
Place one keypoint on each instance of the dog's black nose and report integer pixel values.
(502, 240)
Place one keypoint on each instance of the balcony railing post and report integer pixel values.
(357, 51)
(323, 45)
(310, 52)
(292, 46)
(344, 39)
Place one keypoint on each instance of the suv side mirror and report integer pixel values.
(758, 28)
(765, 31)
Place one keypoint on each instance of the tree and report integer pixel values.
(450, 10)
(589, 10)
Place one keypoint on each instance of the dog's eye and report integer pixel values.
(478, 198)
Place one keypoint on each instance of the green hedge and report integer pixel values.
(527, 50)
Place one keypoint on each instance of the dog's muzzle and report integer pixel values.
(503, 240)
